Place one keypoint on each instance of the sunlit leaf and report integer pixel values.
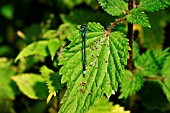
(8, 89)
(32, 85)
(35, 48)
(50, 34)
(104, 106)
(53, 80)
(106, 58)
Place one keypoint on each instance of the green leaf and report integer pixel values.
(7, 11)
(153, 5)
(150, 63)
(49, 34)
(53, 46)
(65, 31)
(118, 109)
(114, 7)
(53, 80)
(36, 48)
(28, 63)
(104, 106)
(130, 83)
(32, 85)
(137, 16)
(106, 58)
(8, 89)
(166, 75)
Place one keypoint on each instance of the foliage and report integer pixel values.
(102, 69)
(52, 80)
(130, 83)
(9, 90)
(166, 81)
(136, 16)
(103, 106)
(30, 84)
(154, 5)
(41, 56)
(114, 8)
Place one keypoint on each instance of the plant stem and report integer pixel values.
(130, 37)
(156, 77)
(113, 24)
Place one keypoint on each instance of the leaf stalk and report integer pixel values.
(113, 24)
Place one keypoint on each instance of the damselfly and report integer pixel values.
(84, 31)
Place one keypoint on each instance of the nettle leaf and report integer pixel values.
(32, 85)
(114, 7)
(150, 63)
(53, 81)
(166, 75)
(153, 5)
(35, 48)
(130, 83)
(137, 16)
(106, 58)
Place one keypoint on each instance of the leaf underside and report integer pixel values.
(106, 57)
